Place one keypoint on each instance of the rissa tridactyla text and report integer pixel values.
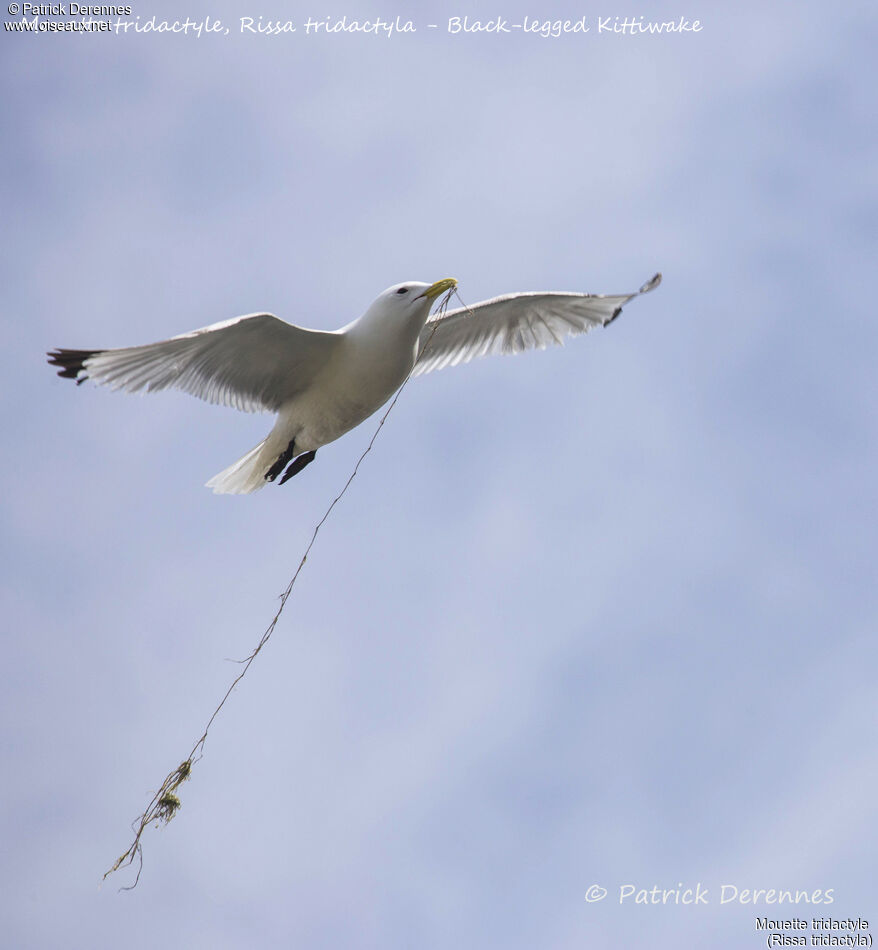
(323, 383)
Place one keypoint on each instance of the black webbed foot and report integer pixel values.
(282, 460)
(306, 458)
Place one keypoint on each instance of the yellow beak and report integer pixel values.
(435, 290)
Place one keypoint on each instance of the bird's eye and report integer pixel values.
(403, 290)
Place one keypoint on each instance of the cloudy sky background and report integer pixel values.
(600, 615)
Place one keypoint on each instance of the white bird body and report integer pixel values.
(366, 363)
(322, 384)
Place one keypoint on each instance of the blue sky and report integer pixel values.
(600, 615)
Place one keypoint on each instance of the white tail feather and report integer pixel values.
(244, 476)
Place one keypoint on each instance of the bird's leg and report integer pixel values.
(282, 460)
(298, 464)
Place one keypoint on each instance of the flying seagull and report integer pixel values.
(323, 383)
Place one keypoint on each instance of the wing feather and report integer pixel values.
(514, 323)
(254, 363)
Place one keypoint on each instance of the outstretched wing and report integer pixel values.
(254, 363)
(516, 322)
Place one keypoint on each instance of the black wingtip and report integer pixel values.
(72, 363)
(651, 284)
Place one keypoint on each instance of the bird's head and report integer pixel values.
(414, 293)
(407, 303)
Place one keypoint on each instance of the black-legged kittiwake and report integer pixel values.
(323, 383)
